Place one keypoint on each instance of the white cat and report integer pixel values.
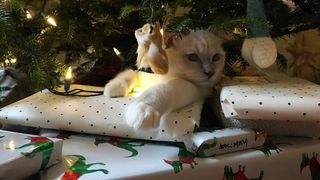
(195, 64)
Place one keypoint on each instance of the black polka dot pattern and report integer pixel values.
(95, 115)
(288, 100)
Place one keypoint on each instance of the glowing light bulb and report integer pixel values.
(51, 21)
(10, 61)
(13, 60)
(29, 16)
(68, 80)
(116, 51)
(118, 54)
(69, 73)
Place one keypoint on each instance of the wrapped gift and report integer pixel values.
(211, 143)
(93, 157)
(289, 106)
(95, 115)
(203, 144)
(23, 155)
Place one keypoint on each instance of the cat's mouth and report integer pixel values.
(205, 77)
(209, 74)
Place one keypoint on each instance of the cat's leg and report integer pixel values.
(121, 85)
(145, 112)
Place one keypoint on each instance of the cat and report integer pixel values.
(150, 51)
(195, 65)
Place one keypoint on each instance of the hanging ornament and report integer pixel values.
(258, 48)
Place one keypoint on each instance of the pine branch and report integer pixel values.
(126, 11)
(180, 25)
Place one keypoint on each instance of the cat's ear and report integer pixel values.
(168, 37)
(157, 27)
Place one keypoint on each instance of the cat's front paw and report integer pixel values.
(140, 115)
(115, 89)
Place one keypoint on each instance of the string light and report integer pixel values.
(74, 92)
(10, 61)
(51, 21)
(68, 79)
(28, 15)
(116, 51)
(69, 73)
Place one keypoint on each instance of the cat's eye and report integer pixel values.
(193, 57)
(216, 57)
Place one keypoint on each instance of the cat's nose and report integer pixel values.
(209, 74)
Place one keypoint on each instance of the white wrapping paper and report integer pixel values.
(281, 158)
(211, 143)
(290, 106)
(95, 115)
(293, 100)
(23, 155)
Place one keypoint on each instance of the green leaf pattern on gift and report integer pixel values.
(313, 164)
(127, 145)
(185, 157)
(41, 145)
(80, 168)
(270, 145)
(239, 175)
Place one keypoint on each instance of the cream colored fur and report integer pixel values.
(150, 51)
(186, 81)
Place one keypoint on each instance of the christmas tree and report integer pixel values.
(42, 38)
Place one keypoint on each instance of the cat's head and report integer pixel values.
(147, 33)
(150, 52)
(197, 57)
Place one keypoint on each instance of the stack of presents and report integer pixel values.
(270, 130)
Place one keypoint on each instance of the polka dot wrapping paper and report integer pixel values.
(95, 115)
(289, 106)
